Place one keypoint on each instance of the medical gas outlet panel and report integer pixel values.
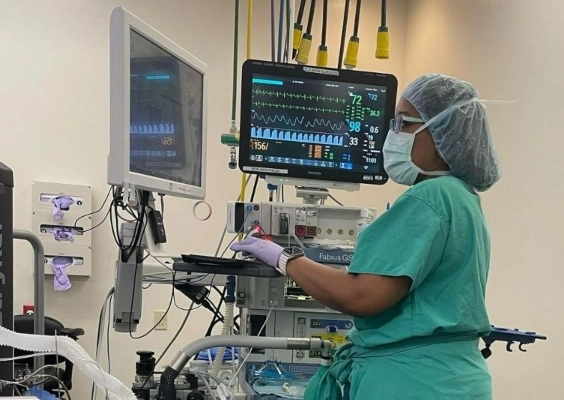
(304, 221)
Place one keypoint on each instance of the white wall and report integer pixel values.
(512, 49)
(54, 102)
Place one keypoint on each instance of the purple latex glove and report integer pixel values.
(61, 203)
(61, 281)
(265, 250)
(62, 233)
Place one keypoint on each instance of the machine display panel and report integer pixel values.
(166, 114)
(312, 123)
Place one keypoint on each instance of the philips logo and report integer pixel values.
(314, 173)
(321, 71)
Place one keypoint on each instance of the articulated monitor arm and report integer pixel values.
(167, 389)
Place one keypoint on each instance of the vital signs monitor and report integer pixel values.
(158, 111)
(315, 123)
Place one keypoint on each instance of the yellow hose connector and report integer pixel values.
(303, 51)
(383, 43)
(322, 56)
(351, 57)
(297, 39)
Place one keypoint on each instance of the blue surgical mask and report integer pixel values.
(397, 158)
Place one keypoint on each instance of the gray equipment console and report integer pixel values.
(6, 271)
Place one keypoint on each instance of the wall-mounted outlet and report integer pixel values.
(28, 309)
(160, 315)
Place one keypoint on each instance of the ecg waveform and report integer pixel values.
(298, 121)
(261, 104)
(290, 95)
(306, 137)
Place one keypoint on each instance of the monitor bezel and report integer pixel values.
(251, 67)
(119, 173)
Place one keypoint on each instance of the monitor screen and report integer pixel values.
(312, 123)
(166, 107)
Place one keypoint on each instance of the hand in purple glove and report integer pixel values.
(265, 250)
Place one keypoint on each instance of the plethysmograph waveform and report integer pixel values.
(298, 121)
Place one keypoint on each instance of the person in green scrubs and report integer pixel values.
(417, 282)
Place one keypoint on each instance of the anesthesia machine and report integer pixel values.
(315, 128)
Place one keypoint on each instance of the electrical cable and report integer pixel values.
(158, 322)
(254, 189)
(251, 350)
(249, 44)
(140, 224)
(335, 200)
(305, 43)
(37, 374)
(281, 29)
(351, 56)
(298, 27)
(322, 55)
(383, 36)
(248, 178)
(357, 18)
(94, 212)
(215, 319)
(108, 335)
(60, 382)
(288, 29)
(37, 371)
(206, 383)
(174, 281)
(99, 334)
(310, 17)
(272, 31)
(301, 10)
(227, 247)
(45, 378)
(235, 63)
(343, 34)
(324, 24)
(83, 231)
(176, 334)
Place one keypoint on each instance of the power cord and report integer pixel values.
(106, 308)
(254, 188)
(335, 200)
(160, 319)
(176, 334)
(94, 212)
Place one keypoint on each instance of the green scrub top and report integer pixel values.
(425, 346)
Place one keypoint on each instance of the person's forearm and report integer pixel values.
(330, 286)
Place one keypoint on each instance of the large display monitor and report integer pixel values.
(315, 124)
(157, 111)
